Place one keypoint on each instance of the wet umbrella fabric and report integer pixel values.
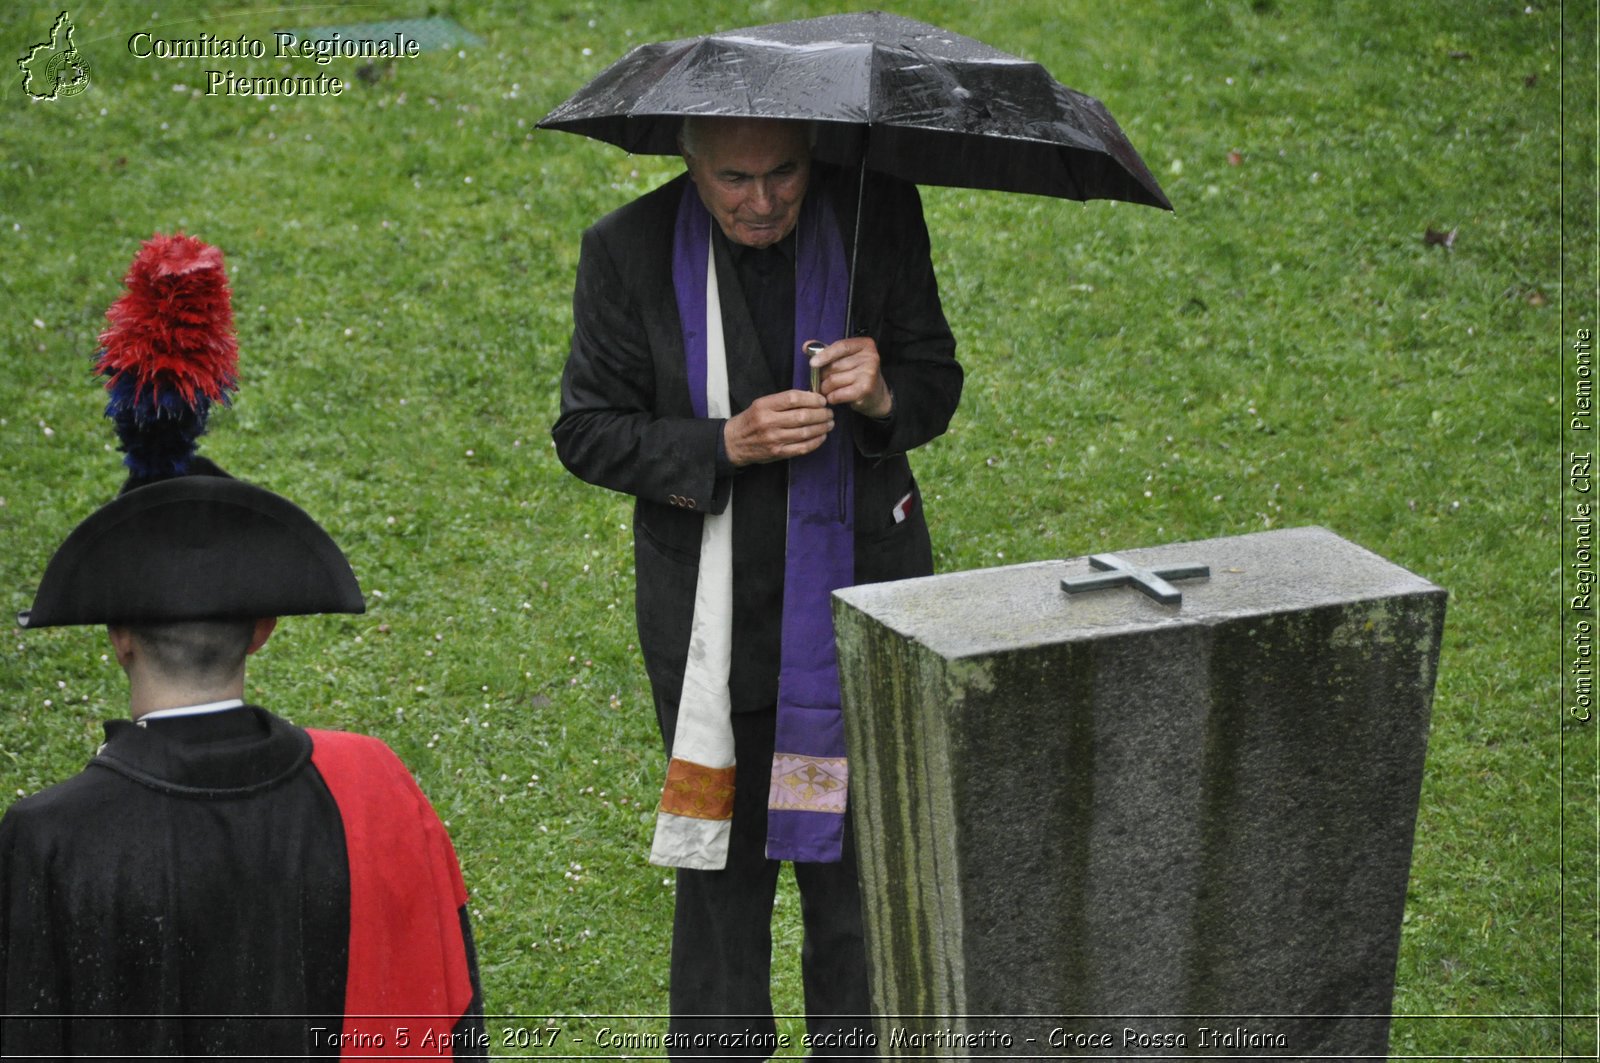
(926, 105)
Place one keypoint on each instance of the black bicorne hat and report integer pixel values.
(183, 540)
(193, 548)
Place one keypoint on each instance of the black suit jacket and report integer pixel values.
(626, 421)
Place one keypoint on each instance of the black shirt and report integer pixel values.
(766, 280)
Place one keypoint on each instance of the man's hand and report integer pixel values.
(851, 377)
(783, 425)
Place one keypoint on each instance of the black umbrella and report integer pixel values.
(913, 100)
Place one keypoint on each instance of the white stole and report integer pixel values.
(703, 738)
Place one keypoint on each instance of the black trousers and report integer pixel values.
(722, 931)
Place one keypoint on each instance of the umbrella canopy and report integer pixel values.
(922, 104)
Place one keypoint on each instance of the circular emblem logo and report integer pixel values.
(68, 72)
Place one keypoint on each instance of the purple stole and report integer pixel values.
(809, 776)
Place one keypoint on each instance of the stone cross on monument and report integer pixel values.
(1096, 825)
(1112, 571)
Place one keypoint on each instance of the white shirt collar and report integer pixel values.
(192, 710)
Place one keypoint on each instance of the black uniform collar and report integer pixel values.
(216, 755)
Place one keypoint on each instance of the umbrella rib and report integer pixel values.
(696, 46)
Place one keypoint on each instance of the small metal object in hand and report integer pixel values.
(813, 349)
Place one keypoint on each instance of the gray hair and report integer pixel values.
(690, 128)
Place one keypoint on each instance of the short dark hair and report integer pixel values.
(196, 649)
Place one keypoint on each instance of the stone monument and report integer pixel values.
(1098, 824)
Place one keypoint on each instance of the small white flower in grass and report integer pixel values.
(37, 323)
(469, 453)
(389, 520)
(48, 703)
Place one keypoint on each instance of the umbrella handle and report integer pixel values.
(855, 240)
(850, 299)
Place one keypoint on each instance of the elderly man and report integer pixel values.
(688, 387)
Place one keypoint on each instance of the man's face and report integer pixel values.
(751, 174)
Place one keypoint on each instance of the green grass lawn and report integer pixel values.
(1283, 350)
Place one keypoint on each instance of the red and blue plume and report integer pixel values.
(170, 352)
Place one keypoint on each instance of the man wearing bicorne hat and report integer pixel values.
(217, 880)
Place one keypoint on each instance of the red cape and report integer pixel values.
(408, 981)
